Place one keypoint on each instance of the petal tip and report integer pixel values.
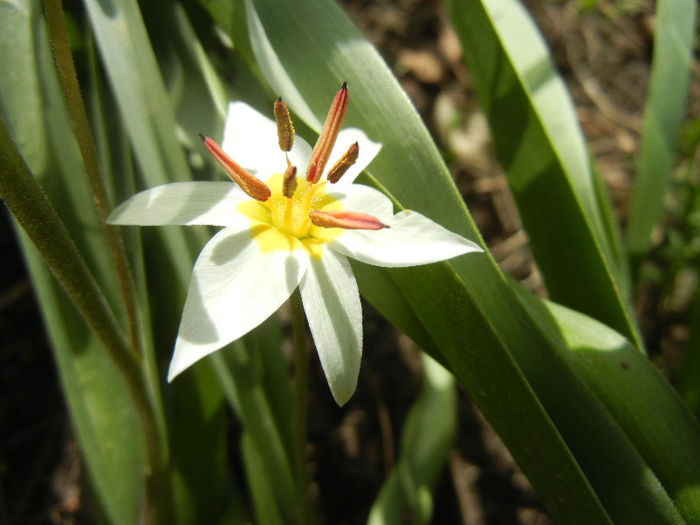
(172, 374)
(342, 397)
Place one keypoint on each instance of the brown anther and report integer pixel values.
(344, 162)
(250, 184)
(289, 182)
(285, 128)
(349, 220)
(325, 142)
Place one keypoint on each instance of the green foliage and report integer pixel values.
(599, 432)
(665, 105)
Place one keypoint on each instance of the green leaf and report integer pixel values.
(674, 38)
(426, 441)
(216, 89)
(101, 408)
(482, 363)
(20, 84)
(541, 148)
(261, 485)
(253, 375)
(637, 395)
(245, 388)
(197, 423)
(144, 105)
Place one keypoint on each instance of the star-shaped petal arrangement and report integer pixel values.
(282, 231)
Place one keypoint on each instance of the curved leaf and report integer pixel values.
(541, 148)
(637, 395)
(674, 38)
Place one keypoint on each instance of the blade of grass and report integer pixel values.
(674, 38)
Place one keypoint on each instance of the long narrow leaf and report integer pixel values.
(104, 420)
(541, 148)
(642, 401)
(674, 37)
(143, 103)
(102, 414)
(426, 440)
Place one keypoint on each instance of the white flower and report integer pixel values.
(271, 243)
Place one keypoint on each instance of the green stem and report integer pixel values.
(301, 369)
(81, 127)
(31, 207)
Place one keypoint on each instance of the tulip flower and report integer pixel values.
(282, 230)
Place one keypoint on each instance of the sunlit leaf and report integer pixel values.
(541, 148)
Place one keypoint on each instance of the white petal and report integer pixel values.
(410, 240)
(360, 198)
(212, 203)
(332, 305)
(368, 150)
(234, 288)
(250, 139)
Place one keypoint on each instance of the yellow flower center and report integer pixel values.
(282, 223)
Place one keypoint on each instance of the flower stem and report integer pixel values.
(76, 111)
(301, 367)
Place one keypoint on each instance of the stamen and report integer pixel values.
(289, 186)
(289, 182)
(329, 133)
(344, 163)
(348, 220)
(251, 185)
(285, 128)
